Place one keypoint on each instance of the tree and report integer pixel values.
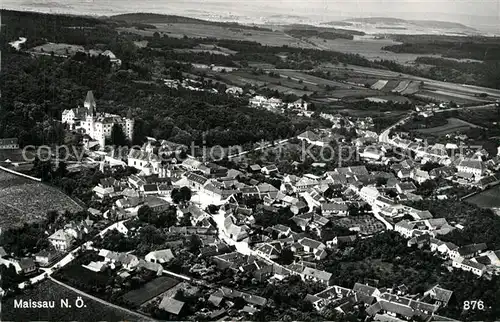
(194, 244)
(144, 213)
(118, 137)
(286, 257)
(181, 195)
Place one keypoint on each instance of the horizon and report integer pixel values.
(469, 13)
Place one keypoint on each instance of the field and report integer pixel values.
(368, 47)
(150, 290)
(61, 49)
(23, 200)
(454, 125)
(179, 30)
(486, 199)
(50, 291)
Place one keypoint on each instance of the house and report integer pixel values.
(127, 261)
(191, 164)
(196, 181)
(61, 240)
(341, 241)
(311, 246)
(26, 265)
(310, 220)
(9, 144)
(444, 248)
(318, 276)
(270, 251)
(469, 266)
(96, 266)
(112, 58)
(471, 166)
(254, 168)
(366, 293)
(270, 169)
(467, 251)
(439, 295)
(420, 241)
(145, 162)
(420, 176)
(299, 104)
(171, 305)
(369, 194)
(44, 257)
(282, 230)
(334, 209)
(160, 256)
(305, 183)
(405, 187)
(313, 139)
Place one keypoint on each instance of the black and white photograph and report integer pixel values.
(235, 160)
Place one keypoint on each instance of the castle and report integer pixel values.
(98, 126)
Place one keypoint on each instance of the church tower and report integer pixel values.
(129, 125)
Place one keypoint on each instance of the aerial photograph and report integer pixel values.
(235, 160)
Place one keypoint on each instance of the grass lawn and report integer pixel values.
(486, 199)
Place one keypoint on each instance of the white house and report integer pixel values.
(299, 104)
(61, 240)
(369, 194)
(471, 166)
(160, 256)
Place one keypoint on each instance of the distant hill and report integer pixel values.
(339, 31)
(420, 23)
(440, 24)
(153, 18)
(375, 20)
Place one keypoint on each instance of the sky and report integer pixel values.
(471, 12)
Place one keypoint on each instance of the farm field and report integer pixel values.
(151, 289)
(354, 93)
(440, 97)
(179, 30)
(50, 291)
(367, 46)
(313, 80)
(453, 125)
(486, 199)
(23, 200)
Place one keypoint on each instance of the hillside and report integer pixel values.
(153, 18)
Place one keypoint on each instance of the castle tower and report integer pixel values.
(129, 125)
(90, 104)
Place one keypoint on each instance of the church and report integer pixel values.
(97, 125)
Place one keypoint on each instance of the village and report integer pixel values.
(255, 222)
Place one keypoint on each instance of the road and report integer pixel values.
(140, 317)
(65, 260)
(384, 136)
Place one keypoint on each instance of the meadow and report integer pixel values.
(487, 199)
